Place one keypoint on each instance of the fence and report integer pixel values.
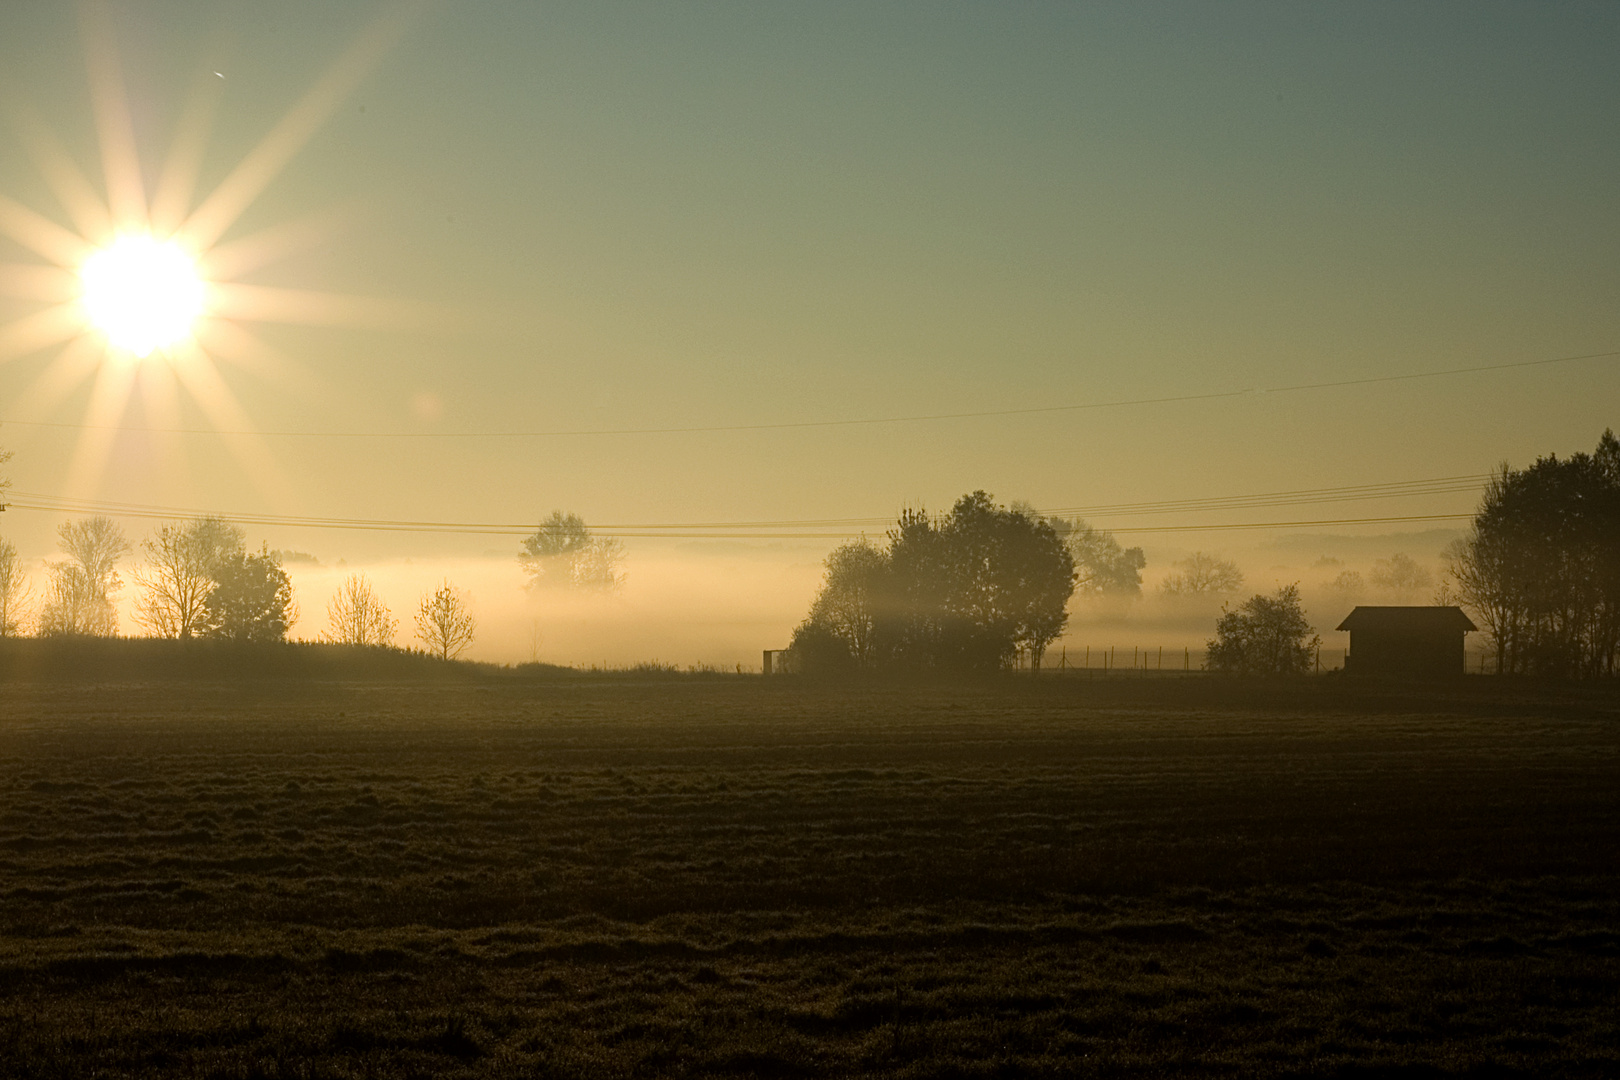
(1091, 661)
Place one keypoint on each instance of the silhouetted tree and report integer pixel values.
(563, 553)
(356, 616)
(964, 592)
(16, 594)
(443, 622)
(79, 597)
(1266, 635)
(1203, 574)
(850, 608)
(1541, 565)
(180, 571)
(252, 600)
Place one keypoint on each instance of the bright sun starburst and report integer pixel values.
(151, 277)
(142, 292)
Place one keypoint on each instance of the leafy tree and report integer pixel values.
(252, 600)
(356, 616)
(1203, 574)
(79, 597)
(1266, 635)
(443, 622)
(180, 572)
(850, 608)
(562, 553)
(965, 591)
(1540, 566)
(16, 594)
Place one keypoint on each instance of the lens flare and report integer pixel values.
(143, 293)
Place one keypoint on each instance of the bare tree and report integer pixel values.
(79, 598)
(16, 594)
(356, 616)
(443, 622)
(72, 606)
(1203, 574)
(180, 572)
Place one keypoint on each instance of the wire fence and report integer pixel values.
(1140, 661)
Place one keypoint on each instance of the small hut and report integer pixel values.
(1406, 642)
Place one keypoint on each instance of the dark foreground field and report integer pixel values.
(731, 878)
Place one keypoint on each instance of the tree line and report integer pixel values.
(198, 579)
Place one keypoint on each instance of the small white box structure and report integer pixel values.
(779, 662)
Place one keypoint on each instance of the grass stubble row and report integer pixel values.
(722, 878)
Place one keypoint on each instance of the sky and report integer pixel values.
(620, 217)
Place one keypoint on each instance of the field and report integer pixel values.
(731, 877)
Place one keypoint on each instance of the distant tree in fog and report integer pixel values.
(562, 553)
(1266, 635)
(1102, 566)
(252, 599)
(78, 598)
(355, 616)
(443, 622)
(1400, 573)
(1348, 585)
(16, 594)
(1203, 574)
(180, 571)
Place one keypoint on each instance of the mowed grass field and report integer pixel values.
(733, 877)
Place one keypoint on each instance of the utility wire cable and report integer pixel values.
(824, 528)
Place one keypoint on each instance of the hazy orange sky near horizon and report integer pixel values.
(717, 215)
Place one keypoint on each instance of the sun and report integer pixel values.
(151, 272)
(142, 292)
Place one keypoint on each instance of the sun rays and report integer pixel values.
(137, 292)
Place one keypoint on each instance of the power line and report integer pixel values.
(818, 528)
(1217, 395)
(468, 528)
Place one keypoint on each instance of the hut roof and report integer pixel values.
(1409, 620)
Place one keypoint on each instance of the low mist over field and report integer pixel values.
(721, 603)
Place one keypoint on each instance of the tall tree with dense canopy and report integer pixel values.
(1540, 566)
(963, 592)
(252, 600)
